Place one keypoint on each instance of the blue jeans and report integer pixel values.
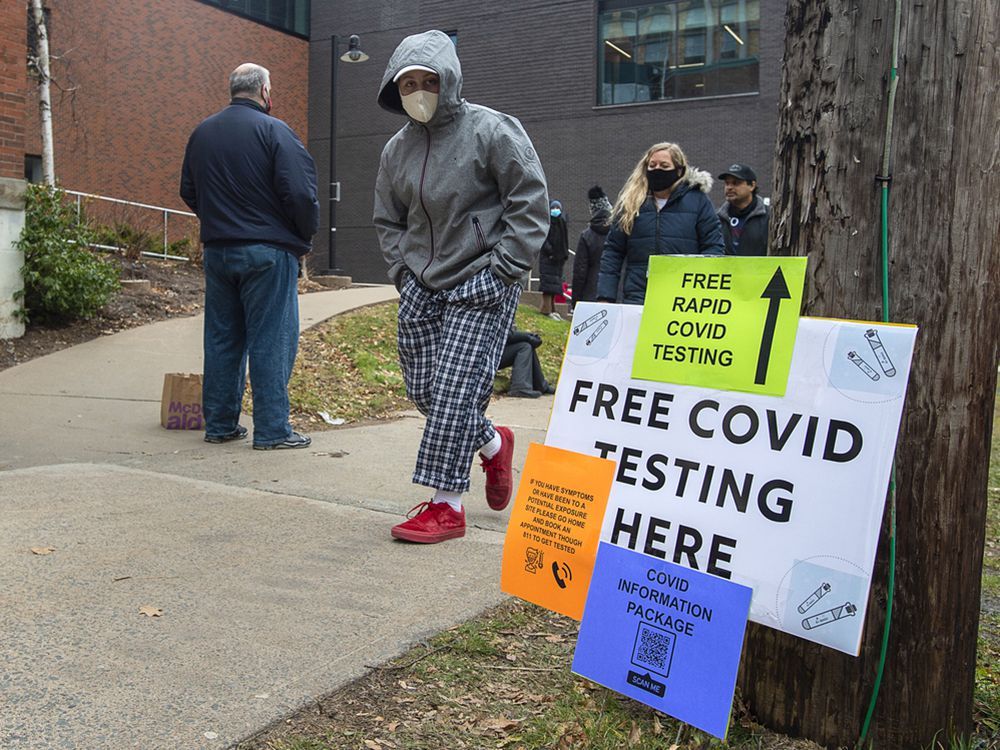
(251, 313)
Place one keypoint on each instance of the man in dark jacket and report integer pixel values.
(587, 263)
(744, 216)
(253, 186)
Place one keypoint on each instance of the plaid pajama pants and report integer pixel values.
(450, 342)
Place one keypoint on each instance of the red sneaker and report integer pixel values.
(499, 476)
(432, 523)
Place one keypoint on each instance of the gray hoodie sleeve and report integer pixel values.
(521, 183)
(390, 223)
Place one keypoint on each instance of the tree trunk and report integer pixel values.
(944, 230)
(44, 95)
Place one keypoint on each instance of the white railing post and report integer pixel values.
(166, 214)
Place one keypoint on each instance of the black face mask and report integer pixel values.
(663, 179)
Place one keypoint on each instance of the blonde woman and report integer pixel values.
(663, 209)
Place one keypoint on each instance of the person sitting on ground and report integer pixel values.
(526, 377)
(587, 263)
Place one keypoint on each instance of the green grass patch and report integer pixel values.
(348, 366)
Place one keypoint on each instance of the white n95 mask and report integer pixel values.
(420, 105)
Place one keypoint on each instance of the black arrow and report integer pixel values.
(776, 291)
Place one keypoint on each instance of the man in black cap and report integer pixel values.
(744, 215)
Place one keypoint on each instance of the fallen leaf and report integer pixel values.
(42, 550)
(500, 724)
(635, 735)
(657, 726)
(151, 611)
(372, 745)
(392, 726)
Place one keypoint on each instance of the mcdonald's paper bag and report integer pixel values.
(180, 407)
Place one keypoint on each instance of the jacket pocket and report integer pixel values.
(477, 228)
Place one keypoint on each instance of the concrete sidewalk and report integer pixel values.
(275, 571)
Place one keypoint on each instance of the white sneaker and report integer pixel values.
(555, 316)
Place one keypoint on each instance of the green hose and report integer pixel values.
(884, 178)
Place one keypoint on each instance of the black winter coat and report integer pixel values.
(687, 224)
(587, 263)
(754, 238)
(553, 256)
(250, 180)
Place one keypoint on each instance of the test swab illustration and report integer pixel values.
(866, 368)
(595, 334)
(814, 597)
(592, 320)
(831, 615)
(880, 353)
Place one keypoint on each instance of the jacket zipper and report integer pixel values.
(480, 237)
(430, 224)
(656, 245)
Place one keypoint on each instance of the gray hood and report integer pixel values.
(434, 50)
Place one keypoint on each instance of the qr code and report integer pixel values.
(654, 649)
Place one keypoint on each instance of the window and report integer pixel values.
(33, 168)
(676, 50)
(287, 15)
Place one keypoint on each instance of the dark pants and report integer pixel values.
(251, 313)
(525, 369)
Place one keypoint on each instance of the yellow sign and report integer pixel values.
(724, 323)
(554, 529)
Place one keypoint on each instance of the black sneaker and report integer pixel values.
(524, 394)
(295, 440)
(238, 434)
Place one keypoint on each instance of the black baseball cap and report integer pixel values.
(740, 172)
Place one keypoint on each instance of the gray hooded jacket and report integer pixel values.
(463, 191)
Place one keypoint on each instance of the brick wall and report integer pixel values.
(135, 78)
(12, 88)
(535, 59)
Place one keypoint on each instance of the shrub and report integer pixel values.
(63, 279)
(131, 241)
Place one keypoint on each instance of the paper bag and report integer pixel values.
(180, 407)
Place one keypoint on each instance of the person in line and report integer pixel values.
(526, 377)
(253, 186)
(662, 209)
(744, 215)
(460, 202)
(555, 252)
(587, 263)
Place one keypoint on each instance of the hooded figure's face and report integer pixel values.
(428, 64)
(418, 91)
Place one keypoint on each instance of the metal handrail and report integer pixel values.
(166, 214)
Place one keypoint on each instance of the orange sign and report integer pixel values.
(554, 529)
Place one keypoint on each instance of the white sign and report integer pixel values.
(784, 495)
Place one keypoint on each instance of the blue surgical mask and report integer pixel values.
(555, 212)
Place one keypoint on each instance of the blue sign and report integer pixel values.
(665, 635)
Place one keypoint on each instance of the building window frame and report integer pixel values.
(263, 12)
(676, 50)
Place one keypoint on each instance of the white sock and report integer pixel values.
(454, 499)
(493, 447)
